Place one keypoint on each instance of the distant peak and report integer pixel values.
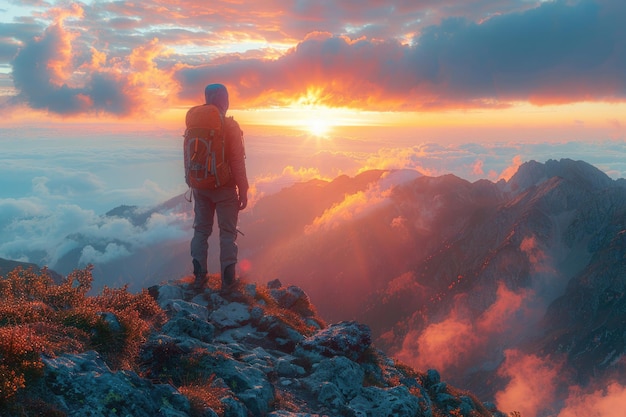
(533, 173)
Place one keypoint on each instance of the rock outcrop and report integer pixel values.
(251, 352)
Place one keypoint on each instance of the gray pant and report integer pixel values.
(223, 201)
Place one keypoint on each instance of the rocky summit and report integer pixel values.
(253, 351)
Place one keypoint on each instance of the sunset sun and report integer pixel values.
(318, 126)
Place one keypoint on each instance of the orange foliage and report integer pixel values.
(203, 395)
(39, 316)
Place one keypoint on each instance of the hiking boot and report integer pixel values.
(228, 277)
(201, 278)
(201, 281)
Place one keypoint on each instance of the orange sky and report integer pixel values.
(488, 68)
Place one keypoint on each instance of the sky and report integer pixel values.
(481, 63)
(320, 87)
(93, 96)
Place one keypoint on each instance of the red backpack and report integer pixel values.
(204, 148)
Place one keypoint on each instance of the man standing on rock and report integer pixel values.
(215, 170)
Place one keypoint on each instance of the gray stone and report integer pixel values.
(385, 402)
(186, 325)
(83, 384)
(169, 292)
(178, 306)
(285, 367)
(234, 408)
(330, 396)
(345, 374)
(231, 315)
(349, 339)
(260, 362)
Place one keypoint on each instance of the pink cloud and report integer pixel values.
(441, 345)
(512, 169)
(539, 261)
(532, 384)
(271, 184)
(360, 203)
(404, 284)
(460, 340)
(353, 205)
(609, 401)
(409, 56)
(509, 305)
(477, 168)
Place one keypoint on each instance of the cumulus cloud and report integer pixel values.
(400, 158)
(361, 202)
(461, 340)
(57, 73)
(459, 62)
(16, 208)
(609, 401)
(532, 384)
(397, 56)
(511, 169)
(112, 251)
(45, 235)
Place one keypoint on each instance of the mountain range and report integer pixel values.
(481, 280)
(508, 288)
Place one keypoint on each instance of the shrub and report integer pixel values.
(203, 394)
(19, 359)
(39, 316)
(137, 314)
(286, 316)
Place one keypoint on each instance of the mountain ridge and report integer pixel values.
(467, 278)
(465, 250)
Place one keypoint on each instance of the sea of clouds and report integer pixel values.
(55, 186)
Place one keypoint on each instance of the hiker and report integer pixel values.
(227, 193)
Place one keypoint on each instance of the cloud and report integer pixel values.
(466, 340)
(99, 58)
(531, 389)
(113, 251)
(511, 169)
(361, 202)
(477, 168)
(538, 259)
(608, 401)
(403, 285)
(44, 234)
(58, 73)
(40, 74)
(270, 184)
(441, 346)
(400, 158)
(67, 184)
(554, 53)
(15, 208)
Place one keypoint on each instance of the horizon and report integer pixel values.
(321, 89)
(508, 65)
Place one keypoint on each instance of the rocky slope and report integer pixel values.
(475, 278)
(255, 351)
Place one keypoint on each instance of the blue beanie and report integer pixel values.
(218, 95)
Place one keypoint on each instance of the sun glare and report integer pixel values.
(318, 127)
